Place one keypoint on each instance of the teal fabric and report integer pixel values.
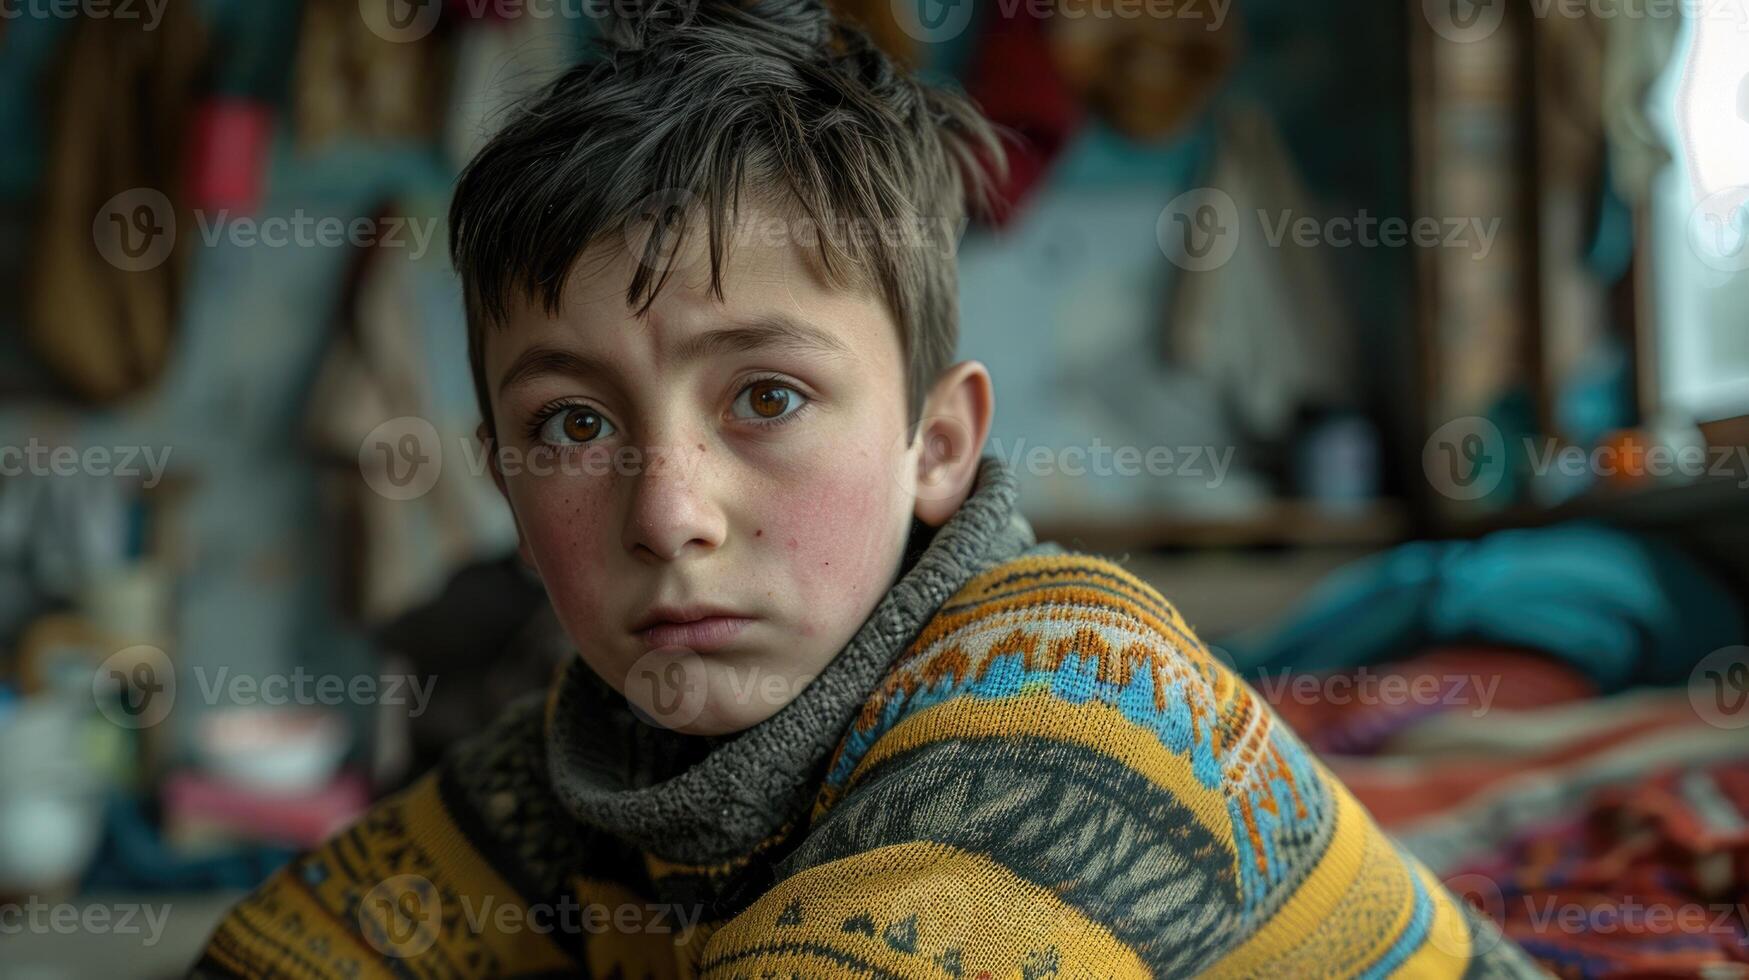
(1622, 608)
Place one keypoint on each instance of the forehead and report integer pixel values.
(767, 276)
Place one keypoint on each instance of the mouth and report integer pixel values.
(698, 629)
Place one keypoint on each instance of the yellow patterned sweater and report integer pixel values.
(1026, 765)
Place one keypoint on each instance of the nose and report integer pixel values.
(673, 511)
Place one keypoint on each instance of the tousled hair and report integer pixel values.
(686, 107)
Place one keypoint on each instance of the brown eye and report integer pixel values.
(572, 426)
(582, 425)
(769, 400)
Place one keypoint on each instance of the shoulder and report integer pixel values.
(1058, 718)
(1064, 677)
(1050, 642)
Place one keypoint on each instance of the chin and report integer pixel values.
(734, 704)
(718, 725)
(704, 695)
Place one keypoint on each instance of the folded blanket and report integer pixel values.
(1621, 608)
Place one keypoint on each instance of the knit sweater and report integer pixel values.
(1024, 765)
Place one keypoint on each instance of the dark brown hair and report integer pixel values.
(703, 102)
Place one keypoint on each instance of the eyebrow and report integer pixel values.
(765, 332)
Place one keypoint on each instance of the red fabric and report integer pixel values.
(198, 805)
(1398, 796)
(228, 156)
(1648, 877)
(1340, 722)
(1015, 81)
(1652, 880)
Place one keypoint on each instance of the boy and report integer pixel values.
(834, 712)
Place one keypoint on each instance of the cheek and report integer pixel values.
(567, 526)
(837, 533)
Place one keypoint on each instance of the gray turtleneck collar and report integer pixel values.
(693, 800)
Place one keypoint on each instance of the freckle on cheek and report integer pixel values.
(759, 533)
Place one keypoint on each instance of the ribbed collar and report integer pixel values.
(693, 800)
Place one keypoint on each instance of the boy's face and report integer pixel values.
(717, 493)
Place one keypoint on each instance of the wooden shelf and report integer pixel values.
(1644, 507)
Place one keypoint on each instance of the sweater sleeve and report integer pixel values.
(1057, 779)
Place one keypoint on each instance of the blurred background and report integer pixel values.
(1403, 345)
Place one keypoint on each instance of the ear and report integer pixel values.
(950, 440)
(490, 444)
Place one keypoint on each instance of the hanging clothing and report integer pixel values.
(113, 230)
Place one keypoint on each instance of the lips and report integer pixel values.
(700, 630)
